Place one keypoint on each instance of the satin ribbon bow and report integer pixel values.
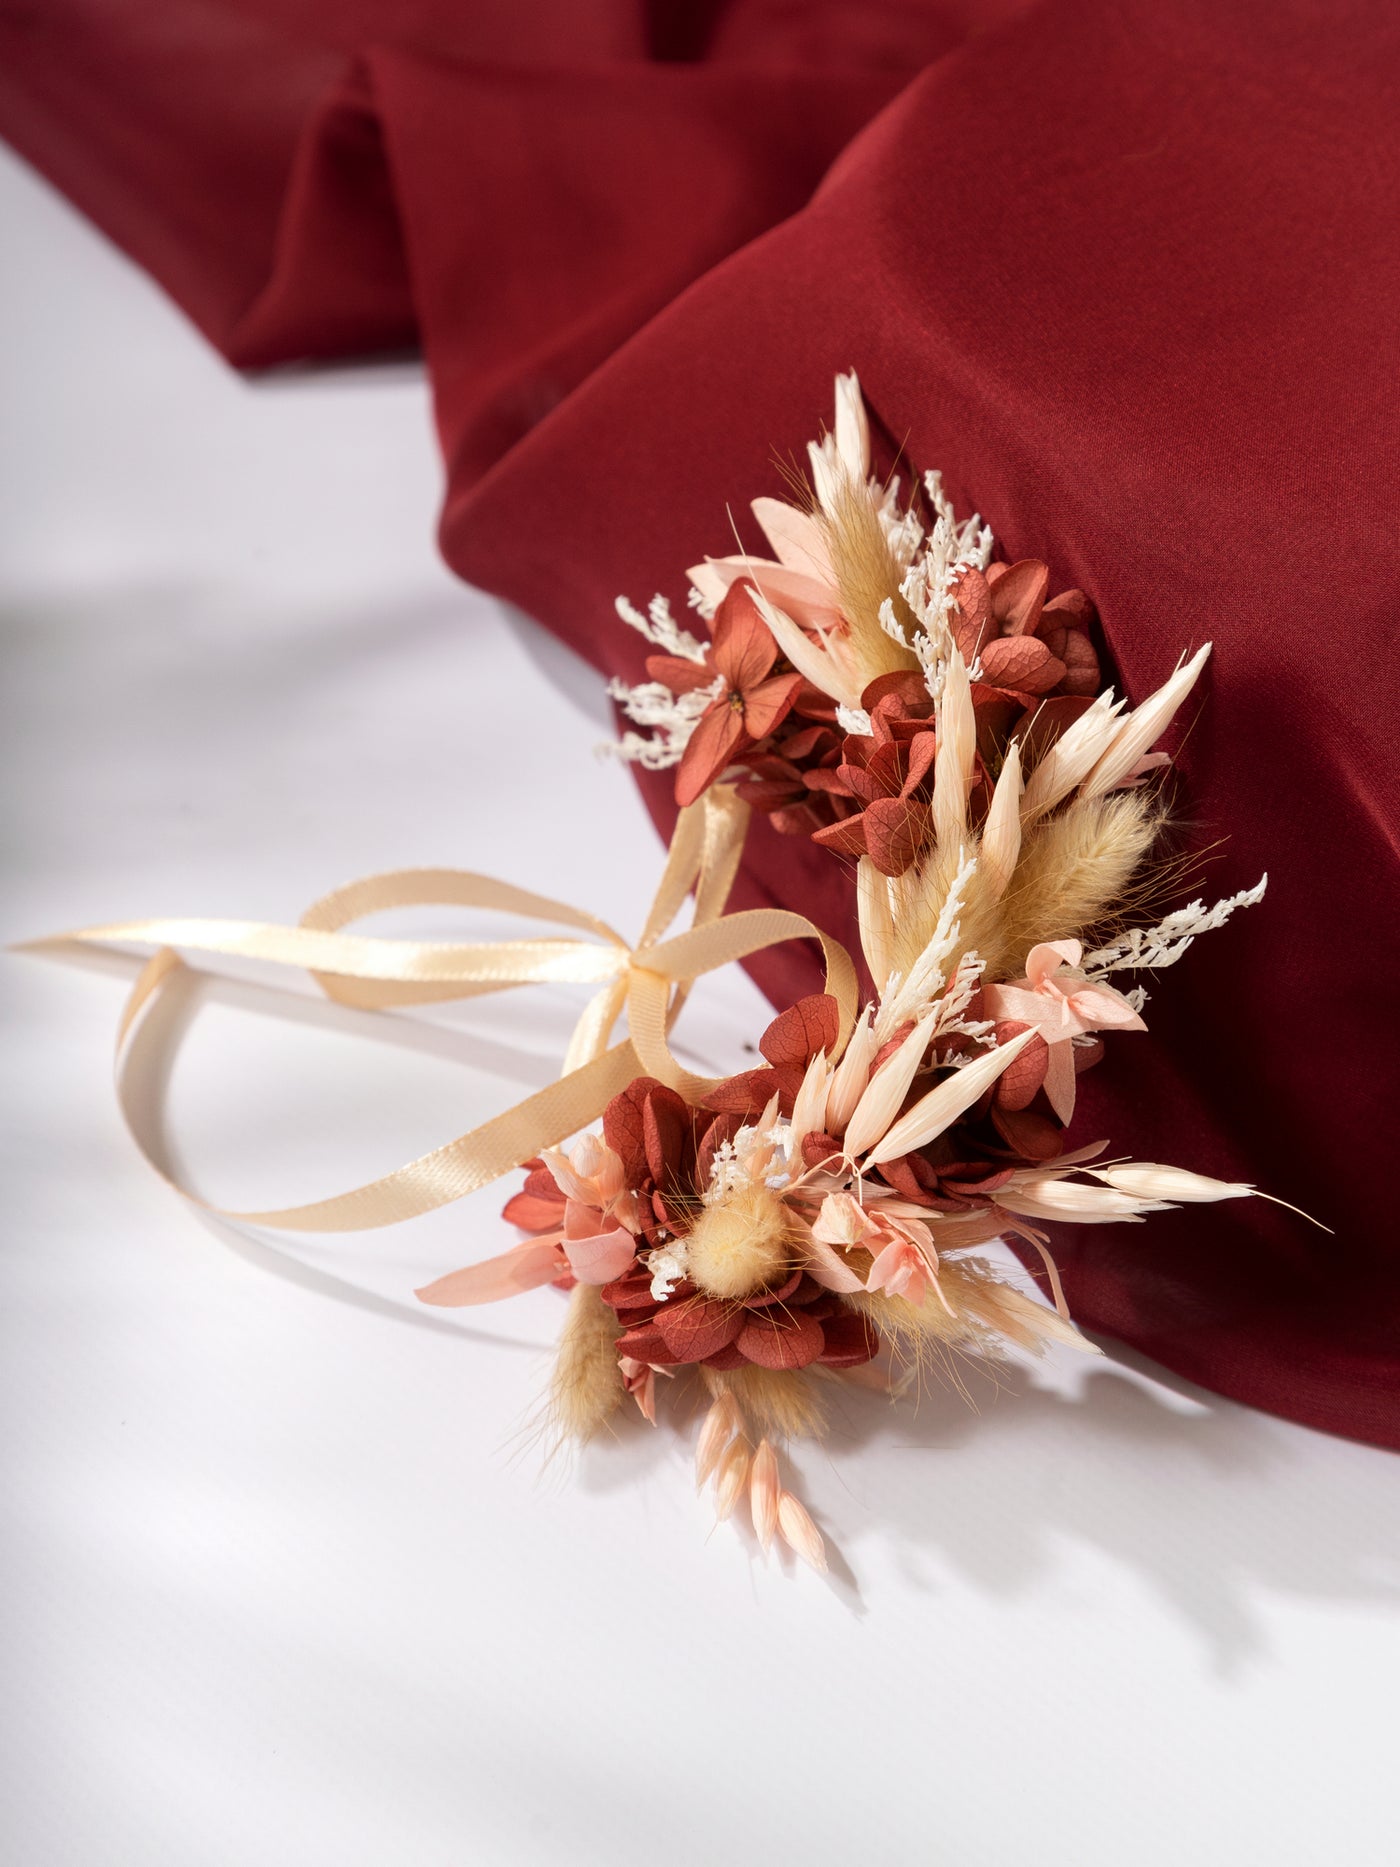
(649, 981)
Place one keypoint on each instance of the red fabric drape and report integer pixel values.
(1127, 270)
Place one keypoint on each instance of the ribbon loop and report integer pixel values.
(650, 981)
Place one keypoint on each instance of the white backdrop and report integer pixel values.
(283, 1580)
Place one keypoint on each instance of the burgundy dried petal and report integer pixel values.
(973, 1177)
(1028, 1133)
(697, 1327)
(896, 829)
(905, 1175)
(1019, 1083)
(798, 820)
(1081, 664)
(850, 1341)
(1018, 594)
(793, 1341)
(797, 1034)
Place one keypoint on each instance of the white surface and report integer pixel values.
(282, 1581)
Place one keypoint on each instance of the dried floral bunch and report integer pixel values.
(884, 687)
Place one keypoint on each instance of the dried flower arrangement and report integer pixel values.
(883, 687)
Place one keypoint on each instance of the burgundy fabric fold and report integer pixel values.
(1126, 270)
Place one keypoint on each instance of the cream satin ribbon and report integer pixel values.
(650, 981)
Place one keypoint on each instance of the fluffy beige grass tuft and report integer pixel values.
(586, 1384)
(742, 1245)
(1076, 872)
(868, 575)
(783, 1402)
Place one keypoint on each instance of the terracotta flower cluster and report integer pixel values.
(936, 722)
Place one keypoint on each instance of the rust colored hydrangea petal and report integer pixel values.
(847, 837)
(1028, 1133)
(850, 1341)
(744, 650)
(697, 1327)
(896, 829)
(974, 600)
(646, 1343)
(679, 674)
(1019, 1083)
(632, 1292)
(797, 1034)
(1081, 664)
(1018, 594)
(622, 1128)
(1022, 662)
(728, 1358)
(1071, 606)
(743, 1094)
(819, 1147)
(922, 750)
(666, 1133)
(912, 1178)
(780, 1294)
(767, 705)
(793, 1341)
(718, 735)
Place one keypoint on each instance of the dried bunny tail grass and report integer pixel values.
(784, 1402)
(920, 894)
(586, 1384)
(1076, 871)
(868, 576)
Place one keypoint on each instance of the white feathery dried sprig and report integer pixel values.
(1001, 833)
(886, 1090)
(1154, 948)
(660, 628)
(911, 995)
(674, 715)
(1143, 727)
(942, 1106)
(800, 1534)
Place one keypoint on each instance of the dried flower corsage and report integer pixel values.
(883, 687)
